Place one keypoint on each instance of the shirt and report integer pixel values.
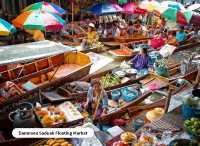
(141, 62)
(157, 42)
(104, 100)
(92, 37)
(180, 36)
(116, 33)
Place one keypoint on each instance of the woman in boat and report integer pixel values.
(138, 27)
(172, 39)
(92, 36)
(97, 100)
(181, 35)
(142, 60)
(131, 29)
(115, 31)
(157, 42)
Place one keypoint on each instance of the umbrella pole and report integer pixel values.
(72, 17)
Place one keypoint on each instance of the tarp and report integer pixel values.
(30, 51)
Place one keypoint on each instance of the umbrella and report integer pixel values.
(195, 8)
(172, 4)
(133, 9)
(40, 20)
(105, 8)
(149, 5)
(195, 20)
(6, 28)
(180, 17)
(45, 6)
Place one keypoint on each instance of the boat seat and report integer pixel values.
(62, 71)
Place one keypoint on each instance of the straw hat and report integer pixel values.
(155, 114)
(91, 25)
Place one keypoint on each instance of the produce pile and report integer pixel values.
(122, 52)
(50, 115)
(193, 126)
(56, 142)
(110, 80)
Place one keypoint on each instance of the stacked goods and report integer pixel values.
(193, 126)
(50, 115)
(125, 51)
(56, 142)
(110, 80)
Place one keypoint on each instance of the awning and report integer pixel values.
(30, 51)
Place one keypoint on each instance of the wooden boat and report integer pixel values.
(62, 93)
(187, 45)
(140, 112)
(54, 70)
(136, 105)
(125, 39)
(55, 67)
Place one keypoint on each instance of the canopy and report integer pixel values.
(105, 8)
(30, 51)
(132, 8)
(45, 6)
(180, 17)
(195, 8)
(40, 20)
(172, 4)
(6, 28)
(149, 5)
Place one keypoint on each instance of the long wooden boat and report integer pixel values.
(105, 119)
(49, 71)
(62, 93)
(126, 39)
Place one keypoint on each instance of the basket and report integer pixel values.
(190, 112)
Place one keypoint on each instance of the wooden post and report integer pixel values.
(72, 17)
(168, 99)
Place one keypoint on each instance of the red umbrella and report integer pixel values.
(195, 20)
(133, 9)
(181, 18)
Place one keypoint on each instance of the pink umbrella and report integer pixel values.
(133, 9)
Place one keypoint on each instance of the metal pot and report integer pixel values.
(23, 117)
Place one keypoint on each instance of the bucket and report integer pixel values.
(190, 112)
(162, 71)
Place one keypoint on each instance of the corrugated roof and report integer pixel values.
(30, 51)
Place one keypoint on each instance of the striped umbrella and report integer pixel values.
(181, 17)
(45, 6)
(40, 20)
(6, 28)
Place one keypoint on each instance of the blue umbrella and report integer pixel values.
(104, 8)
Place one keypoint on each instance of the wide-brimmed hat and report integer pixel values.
(91, 25)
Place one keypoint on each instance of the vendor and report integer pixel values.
(131, 29)
(92, 36)
(141, 60)
(97, 100)
(181, 35)
(115, 31)
(157, 42)
(172, 39)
